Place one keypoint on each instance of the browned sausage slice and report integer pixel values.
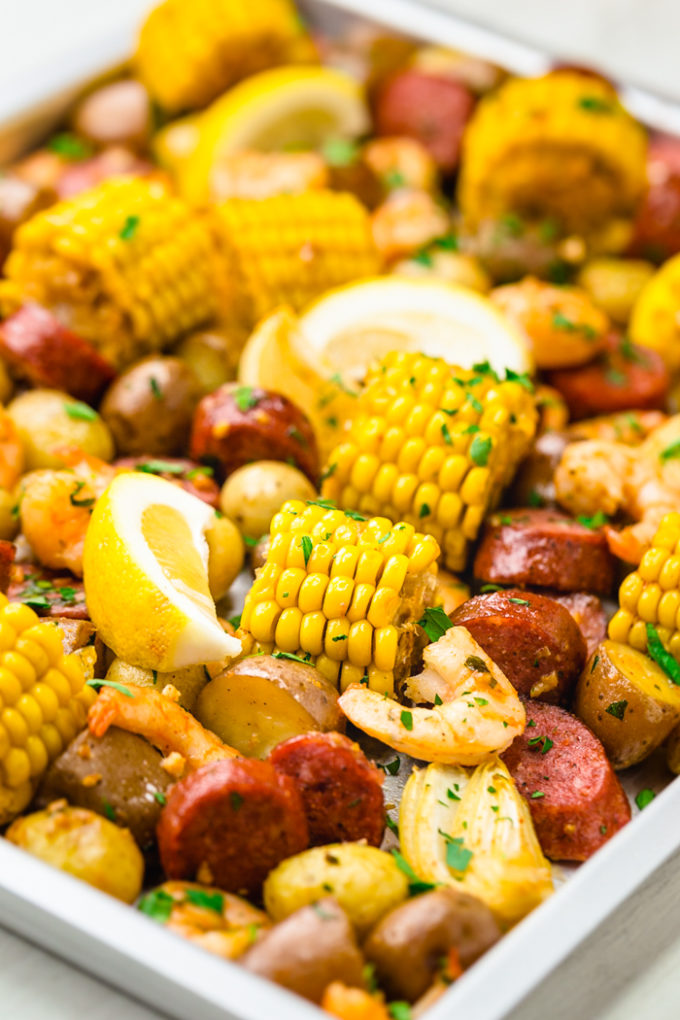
(239, 424)
(7, 551)
(341, 790)
(624, 377)
(192, 477)
(48, 592)
(544, 548)
(589, 614)
(43, 352)
(561, 769)
(231, 822)
(533, 639)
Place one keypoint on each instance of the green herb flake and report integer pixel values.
(644, 797)
(479, 450)
(109, 810)
(451, 795)
(201, 470)
(617, 709)
(129, 228)
(424, 510)
(457, 856)
(121, 688)
(36, 602)
(481, 701)
(400, 1011)
(154, 673)
(595, 662)
(416, 886)
(79, 411)
(615, 377)
(518, 602)
(245, 398)
(521, 378)
(671, 452)
(338, 381)
(407, 719)
(160, 797)
(340, 637)
(595, 104)
(157, 905)
(486, 588)
(354, 515)
(70, 147)
(603, 830)
(340, 151)
(329, 472)
(391, 767)
(512, 224)
(155, 388)
(392, 825)
(370, 980)
(655, 649)
(68, 595)
(435, 622)
(542, 743)
(474, 403)
(249, 541)
(235, 621)
(438, 700)
(537, 794)
(208, 900)
(160, 467)
(423, 258)
(446, 434)
(475, 663)
(74, 496)
(236, 801)
(598, 520)
(307, 546)
(291, 657)
(394, 179)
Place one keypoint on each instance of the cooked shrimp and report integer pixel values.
(629, 427)
(11, 452)
(476, 711)
(168, 727)
(262, 174)
(407, 221)
(217, 921)
(401, 163)
(590, 477)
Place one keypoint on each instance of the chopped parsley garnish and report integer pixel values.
(390, 768)
(416, 885)
(474, 662)
(486, 588)
(78, 411)
(291, 657)
(235, 621)
(518, 602)
(394, 179)
(457, 856)
(451, 795)
(512, 224)
(250, 541)
(603, 830)
(160, 797)
(392, 825)
(656, 651)
(155, 388)
(595, 662)
(671, 452)
(595, 104)
(597, 520)
(644, 797)
(129, 228)
(245, 399)
(109, 810)
(424, 510)
(422, 258)
(307, 546)
(407, 719)
(337, 379)
(438, 700)
(479, 450)
(202, 469)
(70, 147)
(121, 688)
(470, 430)
(340, 637)
(447, 243)
(160, 467)
(340, 151)
(561, 321)
(354, 515)
(236, 801)
(446, 434)
(328, 472)
(434, 622)
(474, 403)
(617, 709)
(522, 378)
(73, 496)
(537, 794)
(542, 743)
(209, 900)
(325, 504)
(400, 1011)
(535, 499)
(36, 601)
(157, 905)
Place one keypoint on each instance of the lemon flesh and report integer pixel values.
(354, 325)
(145, 570)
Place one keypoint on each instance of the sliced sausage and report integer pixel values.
(239, 424)
(657, 224)
(589, 614)
(7, 552)
(230, 823)
(41, 351)
(544, 548)
(187, 474)
(430, 108)
(341, 789)
(48, 592)
(533, 639)
(311, 948)
(561, 769)
(624, 376)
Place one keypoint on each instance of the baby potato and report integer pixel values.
(255, 492)
(365, 881)
(226, 553)
(262, 701)
(48, 420)
(627, 701)
(9, 519)
(614, 284)
(212, 356)
(451, 266)
(85, 845)
(189, 680)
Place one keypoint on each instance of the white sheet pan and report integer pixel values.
(124, 948)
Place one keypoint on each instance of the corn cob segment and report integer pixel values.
(189, 52)
(129, 266)
(43, 702)
(288, 249)
(655, 319)
(561, 146)
(651, 594)
(433, 446)
(344, 593)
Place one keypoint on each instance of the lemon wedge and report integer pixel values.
(280, 109)
(351, 326)
(145, 569)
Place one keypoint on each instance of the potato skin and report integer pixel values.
(255, 492)
(131, 786)
(628, 719)
(365, 881)
(261, 701)
(189, 680)
(238, 424)
(311, 948)
(408, 944)
(149, 407)
(85, 845)
(44, 424)
(226, 553)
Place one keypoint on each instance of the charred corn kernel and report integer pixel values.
(142, 271)
(532, 144)
(361, 612)
(288, 249)
(42, 690)
(654, 320)
(188, 53)
(441, 473)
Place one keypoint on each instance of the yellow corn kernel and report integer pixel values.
(10, 688)
(619, 626)
(30, 710)
(381, 681)
(51, 738)
(669, 575)
(648, 603)
(263, 619)
(423, 554)
(337, 636)
(669, 605)
(368, 567)
(394, 572)
(350, 674)
(288, 587)
(287, 633)
(384, 607)
(345, 561)
(651, 563)
(474, 488)
(338, 597)
(330, 668)
(674, 644)
(312, 631)
(637, 636)
(360, 643)
(385, 642)
(312, 591)
(630, 591)
(37, 755)
(16, 767)
(320, 559)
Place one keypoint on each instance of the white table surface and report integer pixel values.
(629, 969)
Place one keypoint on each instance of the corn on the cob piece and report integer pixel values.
(651, 594)
(287, 249)
(561, 145)
(127, 264)
(432, 445)
(655, 319)
(189, 51)
(343, 592)
(481, 841)
(43, 702)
